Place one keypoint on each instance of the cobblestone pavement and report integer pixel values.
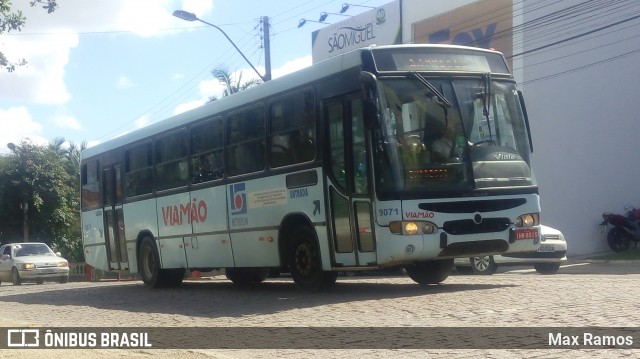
(580, 295)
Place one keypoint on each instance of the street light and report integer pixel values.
(304, 21)
(345, 7)
(323, 15)
(188, 16)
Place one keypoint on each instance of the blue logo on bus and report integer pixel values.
(238, 198)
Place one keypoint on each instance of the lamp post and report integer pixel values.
(185, 15)
(324, 15)
(304, 21)
(346, 6)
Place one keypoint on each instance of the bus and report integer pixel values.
(399, 156)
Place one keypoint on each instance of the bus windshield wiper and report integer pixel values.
(432, 89)
(487, 102)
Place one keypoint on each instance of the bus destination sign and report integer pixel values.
(440, 61)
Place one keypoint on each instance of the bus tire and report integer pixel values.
(305, 263)
(149, 262)
(430, 272)
(246, 276)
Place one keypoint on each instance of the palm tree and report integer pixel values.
(231, 86)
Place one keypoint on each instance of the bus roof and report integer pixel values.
(299, 78)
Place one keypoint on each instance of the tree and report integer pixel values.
(44, 181)
(11, 21)
(226, 78)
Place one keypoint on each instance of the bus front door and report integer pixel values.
(115, 239)
(352, 230)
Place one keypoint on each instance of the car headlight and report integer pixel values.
(411, 228)
(528, 220)
(28, 266)
(63, 264)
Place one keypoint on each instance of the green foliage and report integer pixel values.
(46, 179)
(231, 86)
(15, 20)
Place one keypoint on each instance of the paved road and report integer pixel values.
(580, 295)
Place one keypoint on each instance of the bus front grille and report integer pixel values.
(469, 226)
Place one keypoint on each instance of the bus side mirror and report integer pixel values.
(371, 114)
(526, 118)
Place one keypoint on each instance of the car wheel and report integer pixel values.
(429, 272)
(484, 265)
(64, 279)
(15, 276)
(39, 281)
(547, 268)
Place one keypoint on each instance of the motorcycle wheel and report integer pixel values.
(618, 239)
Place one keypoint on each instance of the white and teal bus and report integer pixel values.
(391, 156)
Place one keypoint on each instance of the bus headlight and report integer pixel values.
(412, 228)
(528, 220)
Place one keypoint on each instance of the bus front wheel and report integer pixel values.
(430, 272)
(305, 263)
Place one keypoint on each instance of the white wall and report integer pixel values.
(585, 123)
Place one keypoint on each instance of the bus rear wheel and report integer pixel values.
(246, 276)
(149, 267)
(305, 263)
(430, 272)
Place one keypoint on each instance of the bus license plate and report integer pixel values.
(527, 233)
(546, 248)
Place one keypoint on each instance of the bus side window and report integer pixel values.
(292, 130)
(171, 161)
(246, 138)
(207, 155)
(90, 185)
(138, 170)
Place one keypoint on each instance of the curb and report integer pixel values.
(605, 261)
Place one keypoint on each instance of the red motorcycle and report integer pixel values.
(625, 229)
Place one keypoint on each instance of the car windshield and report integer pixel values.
(24, 250)
(441, 136)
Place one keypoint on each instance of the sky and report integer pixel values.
(98, 69)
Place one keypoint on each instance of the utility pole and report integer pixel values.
(267, 48)
(188, 16)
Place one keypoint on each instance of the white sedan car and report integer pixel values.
(31, 261)
(551, 253)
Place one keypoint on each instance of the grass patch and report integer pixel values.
(630, 254)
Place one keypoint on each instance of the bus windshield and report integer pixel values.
(441, 136)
